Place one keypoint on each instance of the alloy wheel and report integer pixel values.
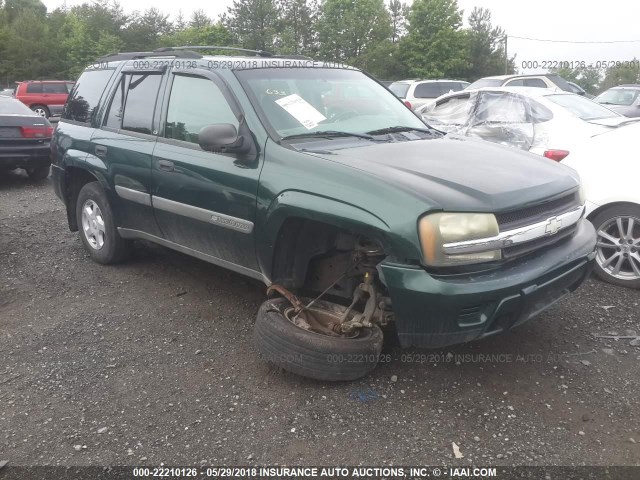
(93, 224)
(618, 247)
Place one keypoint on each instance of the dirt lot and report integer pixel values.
(153, 361)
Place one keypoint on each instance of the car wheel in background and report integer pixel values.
(618, 246)
(315, 351)
(40, 110)
(97, 227)
(38, 173)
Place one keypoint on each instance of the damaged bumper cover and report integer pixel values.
(436, 311)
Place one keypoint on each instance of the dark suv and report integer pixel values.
(361, 209)
(45, 97)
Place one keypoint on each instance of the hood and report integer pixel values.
(461, 174)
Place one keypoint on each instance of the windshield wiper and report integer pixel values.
(398, 129)
(328, 133)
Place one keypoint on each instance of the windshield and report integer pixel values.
(399, 89)
(618, 96)
(582, 107)
(485, 82)
(303, 101)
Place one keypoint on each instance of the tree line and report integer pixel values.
(391, 41)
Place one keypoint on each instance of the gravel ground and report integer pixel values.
(153, 361)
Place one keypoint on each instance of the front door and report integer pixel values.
(202, 200)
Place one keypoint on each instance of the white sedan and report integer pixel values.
(545, 121)
(610, 170)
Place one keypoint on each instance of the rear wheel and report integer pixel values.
(38, 173)
(309, 348)
(97, 227)
(618, 247)
(41, 110)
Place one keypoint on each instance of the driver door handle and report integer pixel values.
(166, 165)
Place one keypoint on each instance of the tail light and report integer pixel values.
(408, 104)
(36, 132)
(556, 155)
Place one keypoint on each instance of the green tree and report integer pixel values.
(349, 31)
(253, 23)
(298, 19)
(486, 46)
(215, 34)
(398, 13)
(144, 30)
(199, 19)
(435, 45)
(13, 8)
(621, 74)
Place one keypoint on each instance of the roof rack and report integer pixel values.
(260, 53)
(156, 53)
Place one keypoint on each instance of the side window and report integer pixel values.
(500, 108)
(34, 88)
(194, 103)
(535, 82)
(515, 83)
(114, 116)
(427, 90)
(140, 102)
(54, 88)
(83, 99)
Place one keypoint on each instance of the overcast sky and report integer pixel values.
(544, 19)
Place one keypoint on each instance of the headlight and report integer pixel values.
(438, 229)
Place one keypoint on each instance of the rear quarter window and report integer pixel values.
(84, 99)
(428, 90)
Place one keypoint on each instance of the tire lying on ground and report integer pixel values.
(311, 354)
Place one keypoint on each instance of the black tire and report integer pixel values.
(38, 173)
(41, 108)
(310, 354)
(114, 248)
(606, 216)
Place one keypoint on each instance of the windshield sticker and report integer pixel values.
(301, 110)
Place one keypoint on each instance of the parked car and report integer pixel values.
(25, 139)
(545, 80)
(237, 161)
(6, 92)
(624, 99)
(543, 121)
(416, 93)
(610, 171)
(46, 97)
(578, 90)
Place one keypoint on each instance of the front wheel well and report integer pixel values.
(75, 179)
(309, 256)
(595, 213)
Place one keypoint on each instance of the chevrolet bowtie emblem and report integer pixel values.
(553, 225)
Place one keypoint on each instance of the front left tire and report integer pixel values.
(97, 228)
(618, 245)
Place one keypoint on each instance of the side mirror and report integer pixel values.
(223, 138)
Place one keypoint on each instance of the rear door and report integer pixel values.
(55, 95)
(125, 143)
(204, 201)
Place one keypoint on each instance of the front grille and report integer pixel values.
(538, 213)
(509, 253)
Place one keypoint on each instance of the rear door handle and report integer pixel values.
(101, 150)
(166, 165)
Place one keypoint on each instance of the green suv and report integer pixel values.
(318, 181)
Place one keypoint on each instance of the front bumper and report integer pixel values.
(437, 311)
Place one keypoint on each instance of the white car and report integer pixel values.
(548, 122)
(610, 170)
(416, 93)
